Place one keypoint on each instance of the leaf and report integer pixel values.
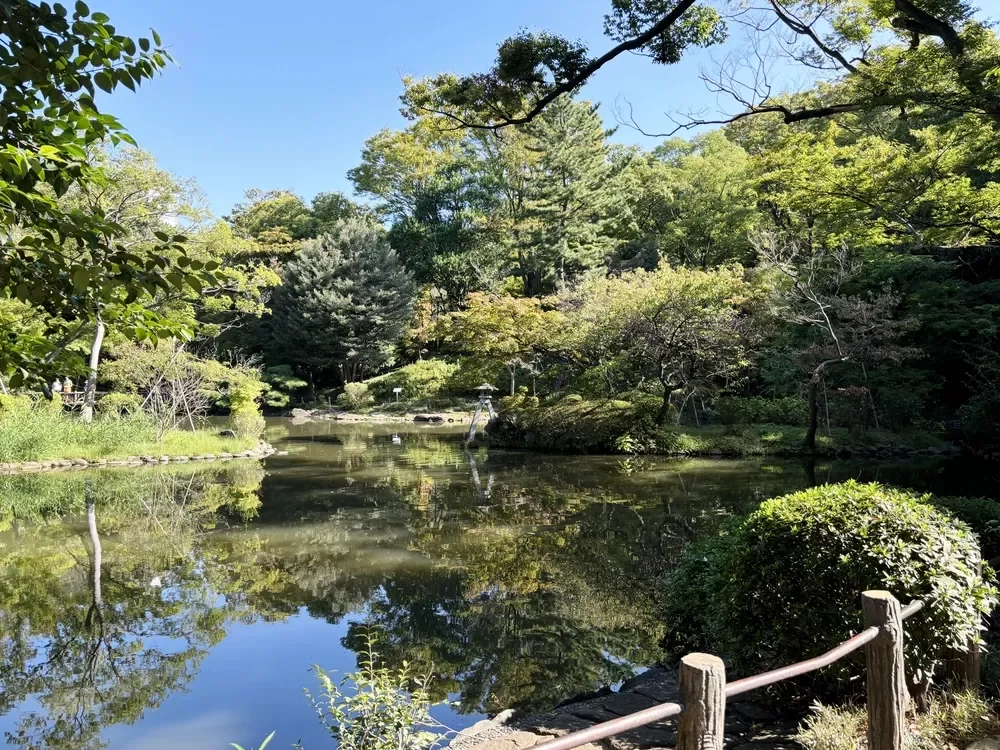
(81, 278)
(82, 9)
(144, 44)
(103, 81)
(159, 42)
(125, 79)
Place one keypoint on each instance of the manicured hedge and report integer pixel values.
(784, 583)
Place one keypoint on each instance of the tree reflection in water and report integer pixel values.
(521, 580)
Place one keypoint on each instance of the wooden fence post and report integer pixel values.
(886, 677)
(702, 684)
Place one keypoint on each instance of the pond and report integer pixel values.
(183, 606)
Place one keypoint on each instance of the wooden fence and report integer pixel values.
(703, 687)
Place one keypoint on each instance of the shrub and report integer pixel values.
(428, 378)
(784, 583)
(952, 721)
(983, 517)
(118, 404)
(384, 709)
(355, 396)
(570, 426)
(244, 412)
(282, 386)
(739, 410)
(15, 404)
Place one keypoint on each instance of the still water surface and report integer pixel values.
(184, 606)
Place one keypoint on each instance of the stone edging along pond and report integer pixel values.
(263, 450)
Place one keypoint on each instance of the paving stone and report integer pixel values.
(658, 684)
(592, 712)
(555, 725)
(497, 744)
(627, 703)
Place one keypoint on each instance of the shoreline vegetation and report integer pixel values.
(575, 425)
(37, 435)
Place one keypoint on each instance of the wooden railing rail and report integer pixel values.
(703, 688)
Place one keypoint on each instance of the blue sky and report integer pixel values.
(284, 94)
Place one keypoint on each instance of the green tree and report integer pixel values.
(344, 304)
(573, 195)
(67, 262)
(429, 183)
(513, 331)
(140, 201)
(680, 328)
(690, 202)
(943, 59)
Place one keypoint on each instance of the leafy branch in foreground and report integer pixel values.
(382, 709)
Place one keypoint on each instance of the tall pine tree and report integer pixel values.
(344, 304)
(574, 194)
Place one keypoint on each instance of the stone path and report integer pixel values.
(749, 725)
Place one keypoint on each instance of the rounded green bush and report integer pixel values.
(983, 517)
(427, 378)
(784, 583)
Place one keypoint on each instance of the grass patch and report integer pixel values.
(46, 432)
(954, 720)
(575, 425)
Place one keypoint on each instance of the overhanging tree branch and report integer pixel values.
(581, 77)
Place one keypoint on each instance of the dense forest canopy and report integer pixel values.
(836, 244)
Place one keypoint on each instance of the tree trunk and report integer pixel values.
(810, 441)
(814, 381)
(661, 415)
(90, 390)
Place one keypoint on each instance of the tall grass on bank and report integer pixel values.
(42, 430)
(953, 720)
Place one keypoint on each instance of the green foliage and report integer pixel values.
(355, 396)
(113, 405)
(982, 516)
(427, 378)
(953, 720)
(384, 709)
(677, 328)
(601, 426)
(244, 411)
(282, 386)
(784, 583)
(740, 410)
(70, 262)
(568, 426)
(41, 430)
(574, 196)
(262, 746)
(344, 304)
